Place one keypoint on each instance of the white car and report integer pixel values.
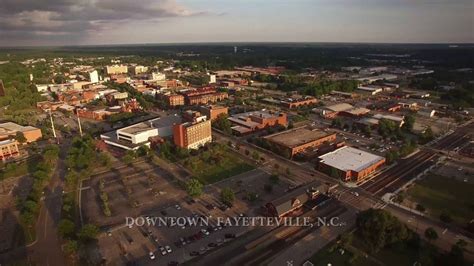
(163, 251)
(152, 255)
(168, 249)
(177, 207)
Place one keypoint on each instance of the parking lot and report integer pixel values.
(131, 190)
(121, 245)
(172, 243)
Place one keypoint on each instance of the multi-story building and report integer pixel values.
(213, 111)
(349, 164)
(173, 99)
(135, 70)
(294, 141)
(9, 130)
(193, 134)
(251, 121)
(203, 96)
(94, 76)
(8, 149)
(116, 69)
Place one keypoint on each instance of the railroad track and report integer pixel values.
(393, 177)
(288, 237)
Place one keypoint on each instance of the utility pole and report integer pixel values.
(79, 122)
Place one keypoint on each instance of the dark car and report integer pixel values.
(212, 245)
(194, 253)
(210, 206)
(229, 235)
(163, 212)
(173, 263)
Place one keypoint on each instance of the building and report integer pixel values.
(194, 134)
(369, 90)
(94, 76)
(173, 99)
(252, 121)
(294, 141)
(202, 96)
(398, 120)
(9, 130)
(349, 164)
(296, 199)
(136, 70)
(157, 76)
(382, 77)
(212, 79)
(140, 134)
(298, 102)
(343, 109)
(9, 149)
(116, 69)
(213, 111)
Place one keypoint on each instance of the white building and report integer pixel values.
(212, 78)
(94, 76)
(157, 76)
(137, 135)
(369, 90)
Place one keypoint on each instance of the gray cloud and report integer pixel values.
(60, 18)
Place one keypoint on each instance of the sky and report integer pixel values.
(89, 22)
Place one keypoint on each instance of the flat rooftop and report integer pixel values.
(339, 107)
(165, 121)
(298, 136)
(350, 159)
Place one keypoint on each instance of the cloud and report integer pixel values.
(80, 17)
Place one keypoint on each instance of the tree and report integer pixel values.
(255, 155)
(66, 228)
(71, 247)
(431, 234)
(378, 228)
(127, 159)
(409, 122)
(88, 232)
(194, 187)
(20, 137)
(222, 123)
(227, 196)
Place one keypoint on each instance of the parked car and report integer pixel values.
(152, 255)
(229, 235)
(168, 249)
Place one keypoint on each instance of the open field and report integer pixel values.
(442, 194)
(216, 164)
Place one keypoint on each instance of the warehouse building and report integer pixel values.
(295, 141)
(349, 164)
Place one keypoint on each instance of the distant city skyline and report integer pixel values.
(91, 22)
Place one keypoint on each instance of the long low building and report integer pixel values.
(296, 199)
(349, 164)
(297, 140)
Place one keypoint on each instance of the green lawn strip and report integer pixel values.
(441, 194)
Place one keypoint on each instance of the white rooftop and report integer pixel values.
(348, 158)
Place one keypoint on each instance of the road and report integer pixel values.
(46, 249)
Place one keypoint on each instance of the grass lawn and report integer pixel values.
(442, 194)
(395, 255)
(328, 256)
(216, 164)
